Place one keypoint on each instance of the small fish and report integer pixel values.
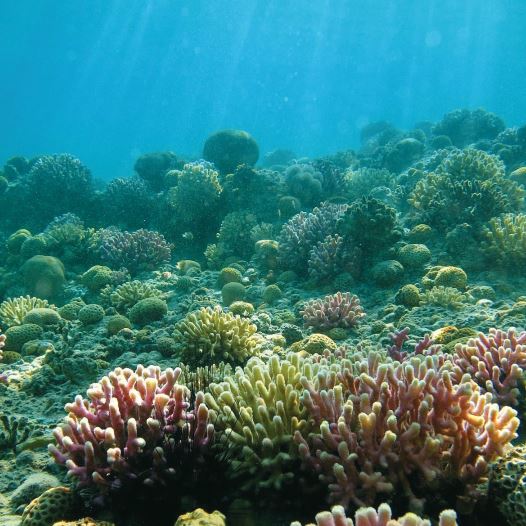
(519, 174)
(188, 236)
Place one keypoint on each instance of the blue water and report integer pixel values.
(107, 80)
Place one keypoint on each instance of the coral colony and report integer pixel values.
(302, 340)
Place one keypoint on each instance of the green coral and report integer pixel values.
(126, 295)
(233, 291)
(16, 336)
(90, 314)
(13, 310)
(148, 310)
(97, 277)
(70, 311)
(447, 297)
(259, 410)
(228, 275)
(192, 205)
(116, 323)
(42, 316)
(43, 276)
(210, 336)
(414, 255)
(408, 296)
(272, 293)
(16, 239)
(447, 276)
(468, 186)
(504, 243)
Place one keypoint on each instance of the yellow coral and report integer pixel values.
(13, 310)
(200, 517)
(53, 505)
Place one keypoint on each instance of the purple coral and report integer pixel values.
(136, 251)
(326, 258)
(134, 427)
(335, 310)
(302, 232)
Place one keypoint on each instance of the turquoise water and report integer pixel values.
(262, 262)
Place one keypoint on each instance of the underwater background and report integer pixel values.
(262, 263)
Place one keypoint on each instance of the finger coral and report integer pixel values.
(398, 427)
(134, 427)
(335, 310)
(495, 361)
(504, 243)
(211, 336)
(13, 310)
(380, 517)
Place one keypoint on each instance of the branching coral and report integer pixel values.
(257, 411)
(335, 310)
(495, 361)
(192, 205)
(211, 336)
(136, 251)
(326, 259)
(380, 517)
(302, 232)
(370, 225)
(464, 126)
(504, 242)
(136, 427)
(13, 310)
(388, 425)
(467, 186)
(126, 295)
(62, 184)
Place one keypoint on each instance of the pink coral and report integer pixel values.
(496, 362)
(335, 310)
(131, 427)
(385, 426)
(380, 517)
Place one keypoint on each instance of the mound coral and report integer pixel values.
(152, 167)
(43, 276)
(227, 149)
(53, 505)
(335, 310)
(136, 427)
(305, 183)
(210, 336)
